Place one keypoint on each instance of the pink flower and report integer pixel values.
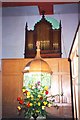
(38, 82)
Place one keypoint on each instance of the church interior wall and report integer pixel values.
(13, 81)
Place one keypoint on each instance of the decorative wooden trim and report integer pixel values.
(50, 40)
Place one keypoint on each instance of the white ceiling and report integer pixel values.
(33, 10)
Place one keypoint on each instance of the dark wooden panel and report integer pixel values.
(50, 40)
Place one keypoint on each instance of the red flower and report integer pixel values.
(26, 92)
(19, 98)
(46, 92)
(21, 101)
(28, 105)
(41, 98)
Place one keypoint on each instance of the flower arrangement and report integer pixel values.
(35, 100)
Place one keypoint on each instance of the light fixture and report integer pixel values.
(37, 64)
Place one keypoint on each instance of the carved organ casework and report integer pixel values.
(50, 40)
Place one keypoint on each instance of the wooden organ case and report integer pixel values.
(50, 40)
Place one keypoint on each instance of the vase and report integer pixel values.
(35, 116)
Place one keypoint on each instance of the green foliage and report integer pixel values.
(35, 100)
